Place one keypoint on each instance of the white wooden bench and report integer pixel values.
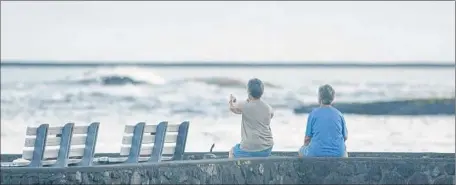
(58, 146)
(151, 143)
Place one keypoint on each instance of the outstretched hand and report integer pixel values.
(234, 107)
(232, 99)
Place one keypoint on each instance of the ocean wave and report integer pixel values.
(430, 106)
(413, 107)
(136, 76)
(117, 76)
(111, 81)
(225, 82)
(139, 89)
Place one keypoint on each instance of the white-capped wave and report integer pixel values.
(133, 74)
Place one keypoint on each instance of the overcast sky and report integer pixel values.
(254, 31)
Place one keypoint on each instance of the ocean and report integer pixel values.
(116, 96)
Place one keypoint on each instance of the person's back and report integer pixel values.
(326, 131)
(256, 132)
(256, 135)
(327, 127)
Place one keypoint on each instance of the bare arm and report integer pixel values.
(307, 140)
(235, 107)
(309, 133)
(344, 129)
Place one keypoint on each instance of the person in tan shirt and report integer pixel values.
(256, 135)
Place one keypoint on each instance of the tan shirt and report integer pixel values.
(256, 132)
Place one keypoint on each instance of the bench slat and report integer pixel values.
(55, 141)
(147, 150)
(53, 153)
(150, 139)
(151, 128)
(31, 131)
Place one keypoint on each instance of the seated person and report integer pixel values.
(256, 135)
(326, 131)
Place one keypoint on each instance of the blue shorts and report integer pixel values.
(304, 150)
(238, 152)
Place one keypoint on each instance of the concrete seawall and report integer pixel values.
(272, 170)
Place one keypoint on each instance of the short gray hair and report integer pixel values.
(255, 88)
(326, 94)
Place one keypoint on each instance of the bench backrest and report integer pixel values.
(156, 141)
(60, 143)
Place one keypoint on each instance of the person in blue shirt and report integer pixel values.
(326, 131)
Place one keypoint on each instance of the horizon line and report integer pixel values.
(215, 63)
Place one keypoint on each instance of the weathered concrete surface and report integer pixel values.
(272, 170)
(221, 155)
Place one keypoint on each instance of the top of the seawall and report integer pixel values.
(224, 155)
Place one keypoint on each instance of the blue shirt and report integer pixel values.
(326, 127)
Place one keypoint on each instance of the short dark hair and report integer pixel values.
(255, 88)
(326, 94)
